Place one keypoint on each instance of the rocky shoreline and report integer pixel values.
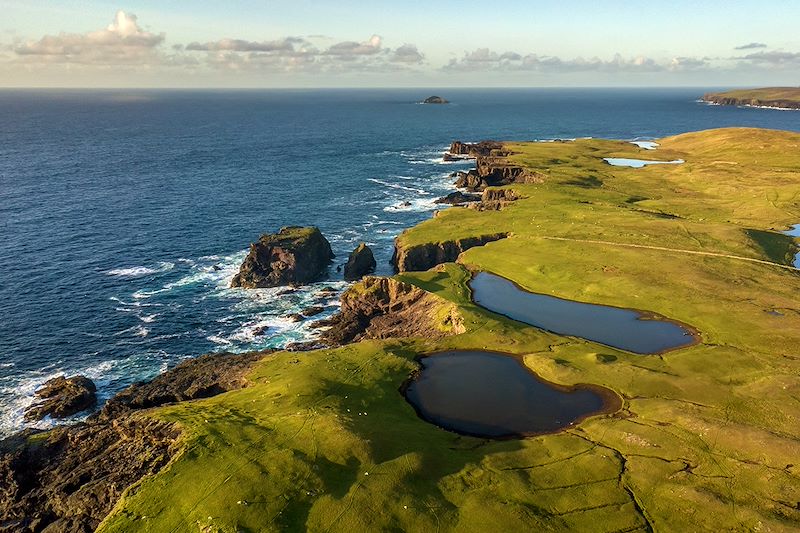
(68, 479)
(768, 103)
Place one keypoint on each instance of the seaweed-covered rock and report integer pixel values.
(360, 263)
(63, 397)
(293, 256)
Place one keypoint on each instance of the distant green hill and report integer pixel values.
(783, 97)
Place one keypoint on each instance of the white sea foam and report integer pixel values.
(138, 271)
(397, 186)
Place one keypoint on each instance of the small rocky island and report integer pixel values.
(293, 256)
(435, 100)
(773, 97)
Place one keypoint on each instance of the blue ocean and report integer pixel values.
(124, 214)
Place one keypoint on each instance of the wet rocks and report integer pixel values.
(458, 198)
(360, 263)
(314, 310)
(293, 256)
(63, 397)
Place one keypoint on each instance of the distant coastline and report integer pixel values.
(781, 98)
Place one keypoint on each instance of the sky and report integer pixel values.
(409, 43)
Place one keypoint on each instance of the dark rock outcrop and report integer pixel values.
(314, 310)
(63, 397)
(435, 100)
(479, 149)
(426, 256)
(495, 172)
(457, 198)
(200, 377)
(68, 479)
(293, 256)
(495, 199)
(360, 263)
(380, 308)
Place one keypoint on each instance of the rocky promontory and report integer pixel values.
(63, 397)
(382, 308)
(777, 97)
(425, 256)
(492, 167)
(293, 256)
(68, 479)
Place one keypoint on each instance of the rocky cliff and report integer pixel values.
(426, 256)
(68, 479)
(293, 256)
(380, 308)
(360, 263)
(758, 98)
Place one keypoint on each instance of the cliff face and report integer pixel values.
(722, 99)
(426, 256)
(69, 479)
(381, 308)
(293, 256)
(492, 167)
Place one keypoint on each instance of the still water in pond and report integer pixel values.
(637, 163)
(487, 394)
(795, 232)
(621, 328)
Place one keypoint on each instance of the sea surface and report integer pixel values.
(124, 214)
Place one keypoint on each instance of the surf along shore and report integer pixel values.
(705, 438)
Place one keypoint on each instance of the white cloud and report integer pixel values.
(123, 41)
(750, 46)
(774, 59)
(484, 59)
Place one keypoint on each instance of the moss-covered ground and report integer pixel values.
(708, 437)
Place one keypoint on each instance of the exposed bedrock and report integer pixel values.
(458, 198)
(68, 479)
(360, 263)
(495, 199)
(62, 397)
(293, 256)
(425, 256)
(728, 100)
(380, 308)
(494, 172)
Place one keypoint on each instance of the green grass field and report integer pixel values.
(708, 436)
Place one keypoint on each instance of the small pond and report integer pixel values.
(626, 329)
(795, 232)
(637, 163)
(488, 394)
(647, 145)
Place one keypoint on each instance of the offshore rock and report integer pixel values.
(435, 100)
(457, 198)
(63, 397)
(293, 256)
(360, 263)
(425, 256)
(381, 308)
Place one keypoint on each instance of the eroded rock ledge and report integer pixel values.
(420, 257)
(381, 308)
(68, 479)
(492, 167)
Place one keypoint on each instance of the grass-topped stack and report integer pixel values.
(293, 256)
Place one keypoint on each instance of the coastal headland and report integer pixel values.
(703, 437)
(769, 97)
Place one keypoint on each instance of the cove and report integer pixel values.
(494, 395)
(626, 329)
(637, 163)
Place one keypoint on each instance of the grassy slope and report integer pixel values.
(765, 94)
(707, 437)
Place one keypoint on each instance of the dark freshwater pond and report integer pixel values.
(625, 329)
(487, 394)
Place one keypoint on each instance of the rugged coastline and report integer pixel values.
(769, 97)
(328, 430)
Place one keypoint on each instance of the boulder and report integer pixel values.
(458, 197)
(435, 100)
(293, 256)
(314, 310)
(360, 263)
(63, 397)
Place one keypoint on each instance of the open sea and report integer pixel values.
(124, 214)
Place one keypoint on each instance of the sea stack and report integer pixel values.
(360, 263)
(293, 256)
(435, 100)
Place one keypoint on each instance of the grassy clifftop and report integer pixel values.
(783, 97)
(708, 438)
